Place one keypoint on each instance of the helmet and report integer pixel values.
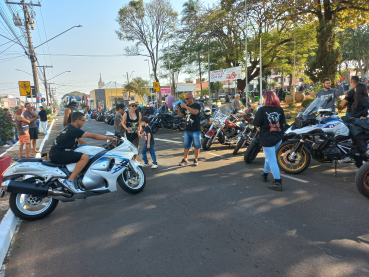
(70, 101)
(207, 111)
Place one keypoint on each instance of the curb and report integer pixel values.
(10, 221)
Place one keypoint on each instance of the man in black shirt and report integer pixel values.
(43, 118)
(350, 96)
(191, 112)
(62, 150)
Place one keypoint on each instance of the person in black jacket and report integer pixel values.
(43, 118)
(271, 120)
(359, 108)
(350, 96)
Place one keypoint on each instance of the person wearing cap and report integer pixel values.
(23, 132)
(130, 123)
(71, 108)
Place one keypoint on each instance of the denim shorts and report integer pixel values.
(192, 137)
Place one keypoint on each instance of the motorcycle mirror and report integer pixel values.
(329, 99)
(109, 133)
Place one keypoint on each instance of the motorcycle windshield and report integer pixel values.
(314, 106)
(225, 110)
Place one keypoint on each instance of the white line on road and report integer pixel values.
(213, 154)
(293, 178)
(167, 140)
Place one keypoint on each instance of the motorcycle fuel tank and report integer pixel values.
(89, 150)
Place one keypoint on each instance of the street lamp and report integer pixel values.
(24, 71)
(59, 75)
(148, 64)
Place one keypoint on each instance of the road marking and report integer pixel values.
(293, 178)
(168, 140)
(213, 154)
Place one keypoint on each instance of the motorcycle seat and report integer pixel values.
(28, 160)
(51, 164)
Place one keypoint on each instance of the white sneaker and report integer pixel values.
(154, 166)
(6, 145)
(145, 165)
(68, 184)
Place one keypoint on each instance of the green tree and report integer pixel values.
(146, 24)
(216, 86)
(6, 127)
(138, 86)
(74, 94)
(329, 16)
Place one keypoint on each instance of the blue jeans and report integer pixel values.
(194, 137)
(271, 161)
(362, 119)
(38, 124)
(152, 153)
(348, 114)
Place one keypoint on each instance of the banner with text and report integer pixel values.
(233, 73)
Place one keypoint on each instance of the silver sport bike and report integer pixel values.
(35, 190)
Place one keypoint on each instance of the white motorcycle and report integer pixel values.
(35, 190)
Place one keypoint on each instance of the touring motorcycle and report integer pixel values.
(222, 128)
(35, 189)
(320, 134)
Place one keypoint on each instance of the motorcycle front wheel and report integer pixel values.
(362, 180)
(206, 143)
(155, 128)
(252, 151)
(289, 165)
(240, 143)
(132, 182)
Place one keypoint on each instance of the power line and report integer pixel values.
(82, 55)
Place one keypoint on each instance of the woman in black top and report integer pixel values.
(130, 122)
(271, 120)
(359, 108)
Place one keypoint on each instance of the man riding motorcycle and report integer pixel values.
(62, 150)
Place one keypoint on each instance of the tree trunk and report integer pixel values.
(327, 57)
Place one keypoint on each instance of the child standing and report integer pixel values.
(149, 143)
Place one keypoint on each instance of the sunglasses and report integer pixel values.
(134, 106)
(187, 99)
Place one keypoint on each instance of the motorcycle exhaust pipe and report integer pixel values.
(52, 192)
(25, 188)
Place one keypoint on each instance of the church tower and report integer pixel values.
(101, 82)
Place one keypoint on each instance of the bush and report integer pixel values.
(6, 127)
(339, 107)
(49, 119)
(291, 104)
(47, 110)
(306, 102)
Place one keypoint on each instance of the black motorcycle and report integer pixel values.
(166, 120)
(246, 136)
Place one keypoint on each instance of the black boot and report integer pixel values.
(264, 176)
(277, 185)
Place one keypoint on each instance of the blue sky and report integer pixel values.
(97, 36)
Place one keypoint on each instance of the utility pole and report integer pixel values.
(50, 93)
(28, 20)
(45, 82)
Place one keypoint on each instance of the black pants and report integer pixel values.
(64, 157)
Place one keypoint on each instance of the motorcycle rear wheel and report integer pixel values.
(252, 151)
(132, 185)
(240, 143)
(206, 143)
(154, 128)
(362, 180)
(285, 162)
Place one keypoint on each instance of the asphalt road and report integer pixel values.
(217, 219)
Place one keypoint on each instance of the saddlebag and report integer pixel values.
(27, 188)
